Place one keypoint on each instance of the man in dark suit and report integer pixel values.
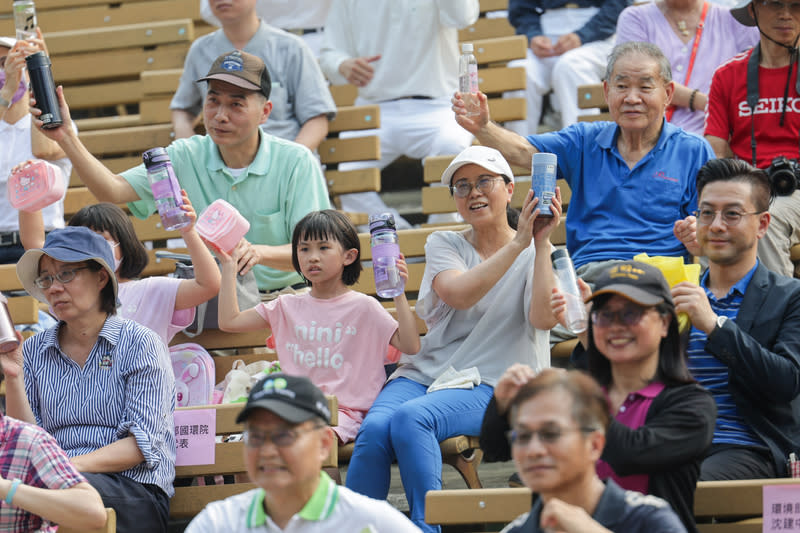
(745, 340)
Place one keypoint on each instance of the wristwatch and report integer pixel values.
(721, 319)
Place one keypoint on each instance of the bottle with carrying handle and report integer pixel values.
(166, 189)
(543, 180)
(24, 19)
(385, 253)
(8, 337)
(468, 79)
(575, 314)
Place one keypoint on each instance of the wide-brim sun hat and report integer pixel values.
(73, 244)
(638, 282)
(742, 14)
(483, 156)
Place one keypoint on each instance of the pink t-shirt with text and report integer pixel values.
(340, 344)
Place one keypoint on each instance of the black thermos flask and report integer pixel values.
(44, 90)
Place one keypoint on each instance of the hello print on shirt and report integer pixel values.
(322, 340)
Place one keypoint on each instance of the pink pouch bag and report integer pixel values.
(221, 224)
(35, 185)
(194, 374)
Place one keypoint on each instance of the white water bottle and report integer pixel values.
(468, 79)
(575, 314)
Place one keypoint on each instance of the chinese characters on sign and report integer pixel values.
(781, 508)
(194, 436)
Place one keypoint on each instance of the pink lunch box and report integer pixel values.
(35, 186)
(221, 224)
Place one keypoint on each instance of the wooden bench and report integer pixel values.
(732, 506)
(57, 16)
(593, 97)
(188, 501)
(492, 508)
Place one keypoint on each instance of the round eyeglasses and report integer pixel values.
(484, 186)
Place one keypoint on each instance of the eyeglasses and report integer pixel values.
(547, 436)
(63, 277)
(484, 186)
(629, 316)
(282, 438)
(776, 7)
(730, 217)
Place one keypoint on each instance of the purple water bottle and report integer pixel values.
(385, 253)
(543, 181)
(166, 189)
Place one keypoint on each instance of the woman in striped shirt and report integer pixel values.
(100, 384)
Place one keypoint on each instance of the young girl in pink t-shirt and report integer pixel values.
(336, 336)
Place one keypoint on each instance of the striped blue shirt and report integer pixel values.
(713, 374)
(126, 387)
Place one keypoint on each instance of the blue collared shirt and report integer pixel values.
(617, 212)
(713, 374)
(126, 387)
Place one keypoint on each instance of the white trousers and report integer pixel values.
(414, 128)
(563, 74)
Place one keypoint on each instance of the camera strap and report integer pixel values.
(753, 92)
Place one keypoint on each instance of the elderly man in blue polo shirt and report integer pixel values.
(631, 179)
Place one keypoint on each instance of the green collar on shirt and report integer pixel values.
(258, 167)
(316, 509)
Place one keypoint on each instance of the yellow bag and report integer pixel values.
(675, 271)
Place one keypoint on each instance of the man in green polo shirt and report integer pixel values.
(287, 437)
(272, 182)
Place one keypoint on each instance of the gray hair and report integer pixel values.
(637, 47)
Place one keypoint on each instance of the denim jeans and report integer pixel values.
(407, 424)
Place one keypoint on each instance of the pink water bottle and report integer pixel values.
(222, 224)
(166, 189)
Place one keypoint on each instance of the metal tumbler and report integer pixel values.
(44, 89)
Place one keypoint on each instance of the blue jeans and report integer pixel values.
(407, 424)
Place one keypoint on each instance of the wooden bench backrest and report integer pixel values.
(591, 97)
(63, 17)
(476, 506)
(229, 459)
(731, 500)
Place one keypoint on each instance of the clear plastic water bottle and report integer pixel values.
(543, 181)
(385, 253)
(24, 19)
(166, 189)
(575, 314)
(468, 79)
(8, 338)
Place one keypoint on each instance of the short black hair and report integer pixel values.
(108, 217)
(736, 170)
(332, 225)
